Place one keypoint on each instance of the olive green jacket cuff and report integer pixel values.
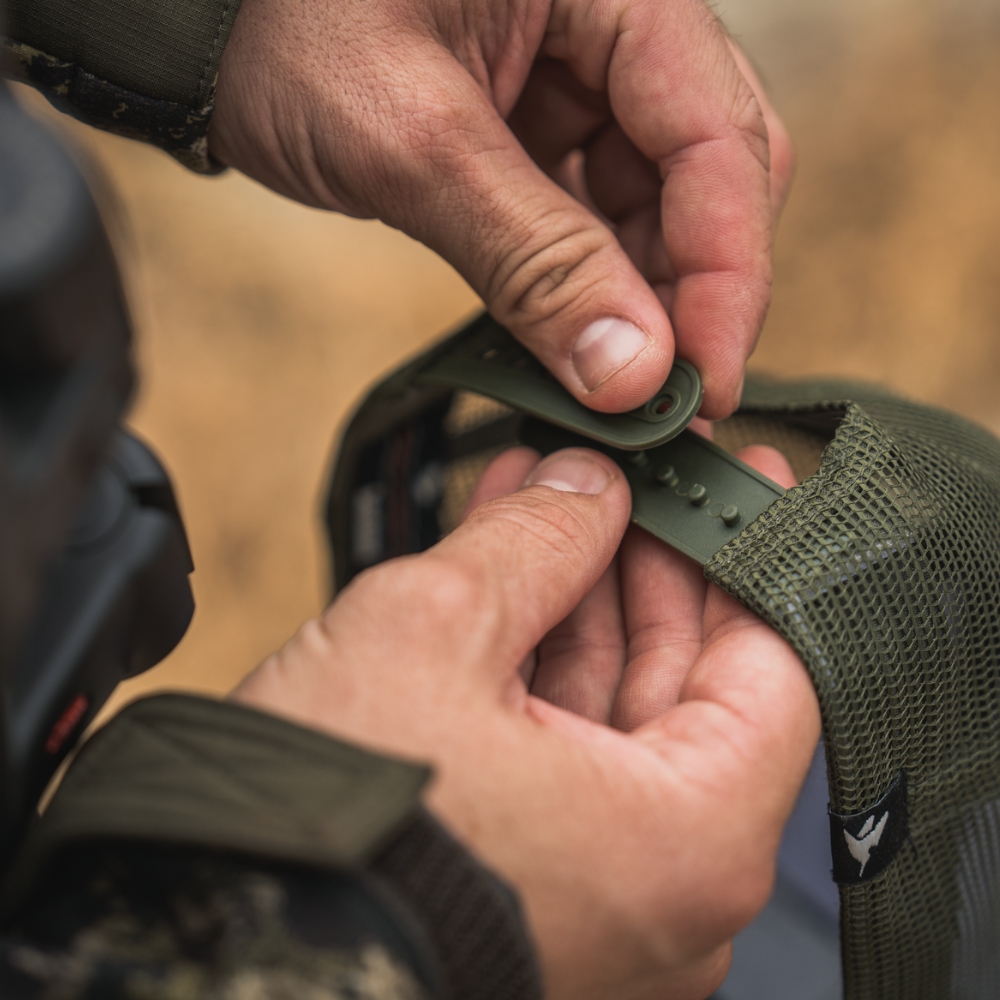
(177, 770)
(182, 769)
(145, 69)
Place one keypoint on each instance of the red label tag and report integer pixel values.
(66, 723)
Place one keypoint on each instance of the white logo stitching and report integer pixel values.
(861, 846)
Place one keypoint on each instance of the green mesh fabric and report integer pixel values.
(883, 572)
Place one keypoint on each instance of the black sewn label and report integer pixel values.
(865, 843)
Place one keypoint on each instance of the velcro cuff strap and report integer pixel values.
(144, 69)
(178, 768)
(177, 129)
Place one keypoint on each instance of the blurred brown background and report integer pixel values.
(260, 322)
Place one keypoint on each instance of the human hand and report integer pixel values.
(458, 122)
(622, 655)
(637, 854)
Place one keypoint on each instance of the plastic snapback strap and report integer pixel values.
(686, 491)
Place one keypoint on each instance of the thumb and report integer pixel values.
(392, 125)
(534, 554)
(547, 268)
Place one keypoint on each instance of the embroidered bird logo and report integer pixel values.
(861, 846)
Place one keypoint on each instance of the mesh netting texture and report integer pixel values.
(883, 572)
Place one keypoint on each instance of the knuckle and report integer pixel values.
(541, 514)
(453, 590)
(441, 595)
(747, 117)
(443, 591)
(564, 527)
(313, 637)
(532, 282)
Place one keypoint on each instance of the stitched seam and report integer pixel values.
(211, 52)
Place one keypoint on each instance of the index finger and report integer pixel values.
(679, 96)
(670, 612)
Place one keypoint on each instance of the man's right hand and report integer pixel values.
(639, 847)
(606, 175)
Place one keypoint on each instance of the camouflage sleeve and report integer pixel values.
(197, 849)
(140, 68)
(131, 921)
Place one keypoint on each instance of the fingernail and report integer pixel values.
(606, 346)
(569, 473)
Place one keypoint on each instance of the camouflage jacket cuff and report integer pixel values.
(177, 773)
(138, 68)
(181, 769)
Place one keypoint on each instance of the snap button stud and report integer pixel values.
(730, 515)
(668, 476)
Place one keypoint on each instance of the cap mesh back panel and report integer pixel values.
(883, 572)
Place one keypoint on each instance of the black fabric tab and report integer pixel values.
(864, 844)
